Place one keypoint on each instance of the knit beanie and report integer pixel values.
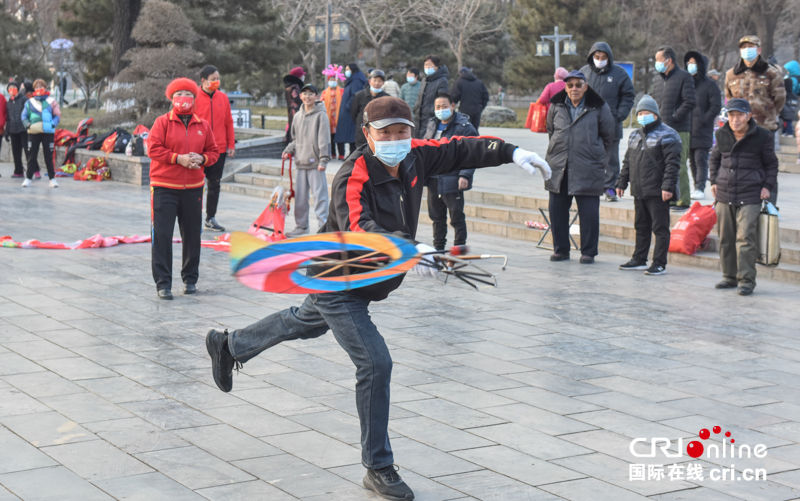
(647, 103)
(561, 74)
(297, 72)
(181, 84)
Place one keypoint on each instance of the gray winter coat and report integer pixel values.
(431, 86)
(311, 137)
(579, 146)
(612, 83)
(652, 161)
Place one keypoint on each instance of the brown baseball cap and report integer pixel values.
(750, 39)
(385, 111)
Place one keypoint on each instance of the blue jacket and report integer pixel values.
(458, 126)
(345, 127)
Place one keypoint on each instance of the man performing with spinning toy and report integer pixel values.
(377, 190)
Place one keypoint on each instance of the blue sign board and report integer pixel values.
(627, 66)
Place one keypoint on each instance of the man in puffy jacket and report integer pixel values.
(743, 171)
(673, 90)
(760, 84)
(433, 84)
(446, 192)
(709, 104)
(362, 98)
(471, 96)
(616, 88)
(581, 129)
(378, 189)
(652, 162)
(213, 106)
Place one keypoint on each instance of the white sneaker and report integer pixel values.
(26, 183)
(297, 232)
(698, 195)
(53, 183)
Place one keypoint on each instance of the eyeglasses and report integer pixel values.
(576, 85)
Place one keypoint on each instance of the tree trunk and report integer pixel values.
(379, 56)
(125, 14)
(765, 19)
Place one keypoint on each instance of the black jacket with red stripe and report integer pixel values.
(365, 197)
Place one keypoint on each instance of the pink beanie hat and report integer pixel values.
(297, 72)
(561, 74)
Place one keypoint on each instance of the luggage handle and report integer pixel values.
(291, 184)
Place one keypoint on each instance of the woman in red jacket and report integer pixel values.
(180, 146)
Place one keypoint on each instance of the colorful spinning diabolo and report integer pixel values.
(277, 266)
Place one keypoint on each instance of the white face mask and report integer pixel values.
(600, 63)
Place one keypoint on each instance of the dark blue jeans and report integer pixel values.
(347, 316)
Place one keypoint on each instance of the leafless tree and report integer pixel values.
(712, 27)
(788, 29)
(765, 15)
(125, 14)
(379, 19)
(296, 16)
(461, 22)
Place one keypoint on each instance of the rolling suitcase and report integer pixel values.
(769, 243)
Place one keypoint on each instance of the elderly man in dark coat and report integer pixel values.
(470, 95)
(616, 88)
(581, 129)
(709, 104)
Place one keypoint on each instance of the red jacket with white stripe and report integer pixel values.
(169, 138)
(217, 110)
(365, 197)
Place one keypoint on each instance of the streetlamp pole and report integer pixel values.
(328, 36)
(558, 38)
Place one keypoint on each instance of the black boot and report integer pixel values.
(222, 362)
(388, 484)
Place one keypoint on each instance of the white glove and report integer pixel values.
(525, 158)
(426, 269)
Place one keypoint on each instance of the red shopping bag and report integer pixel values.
(537, 118)
(692, 229)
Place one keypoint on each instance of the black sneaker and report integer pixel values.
(559, 257)
(633, 265)
(611, 196)
(745, 291)
(679, 208)
(724, 285)
(165, 294)
(222, 362)
(586, 260)
(388, 484)
(211, 225)
(656, 269)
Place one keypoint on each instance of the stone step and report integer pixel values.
(708, 259)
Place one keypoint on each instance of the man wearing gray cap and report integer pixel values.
(652, 162)
(378, 189)
(743, 169)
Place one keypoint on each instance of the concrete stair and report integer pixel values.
(788, 156)
(505, 215)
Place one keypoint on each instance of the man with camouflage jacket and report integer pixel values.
(761, 84)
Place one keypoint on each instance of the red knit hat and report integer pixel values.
(181, 84)
(297, 72)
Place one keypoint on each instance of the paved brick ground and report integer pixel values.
(532, 391)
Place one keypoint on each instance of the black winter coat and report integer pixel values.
(739, 169)
(360, 101)
(651, 174)
(612, 83)
(14, 114)
(458, 126)
(676, 99)
(579, 146)
(365, 197)
(709, 103)
(470, 94)
(430, 88)
(345, 127)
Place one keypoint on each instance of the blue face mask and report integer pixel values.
(661, 67)
(691, 68)
(411, 80)
(392, 153)
(430, 71)
(749, 53)
(443, 114)
(646, 119)
(348, 73)
(331, 83)
(376, 91)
